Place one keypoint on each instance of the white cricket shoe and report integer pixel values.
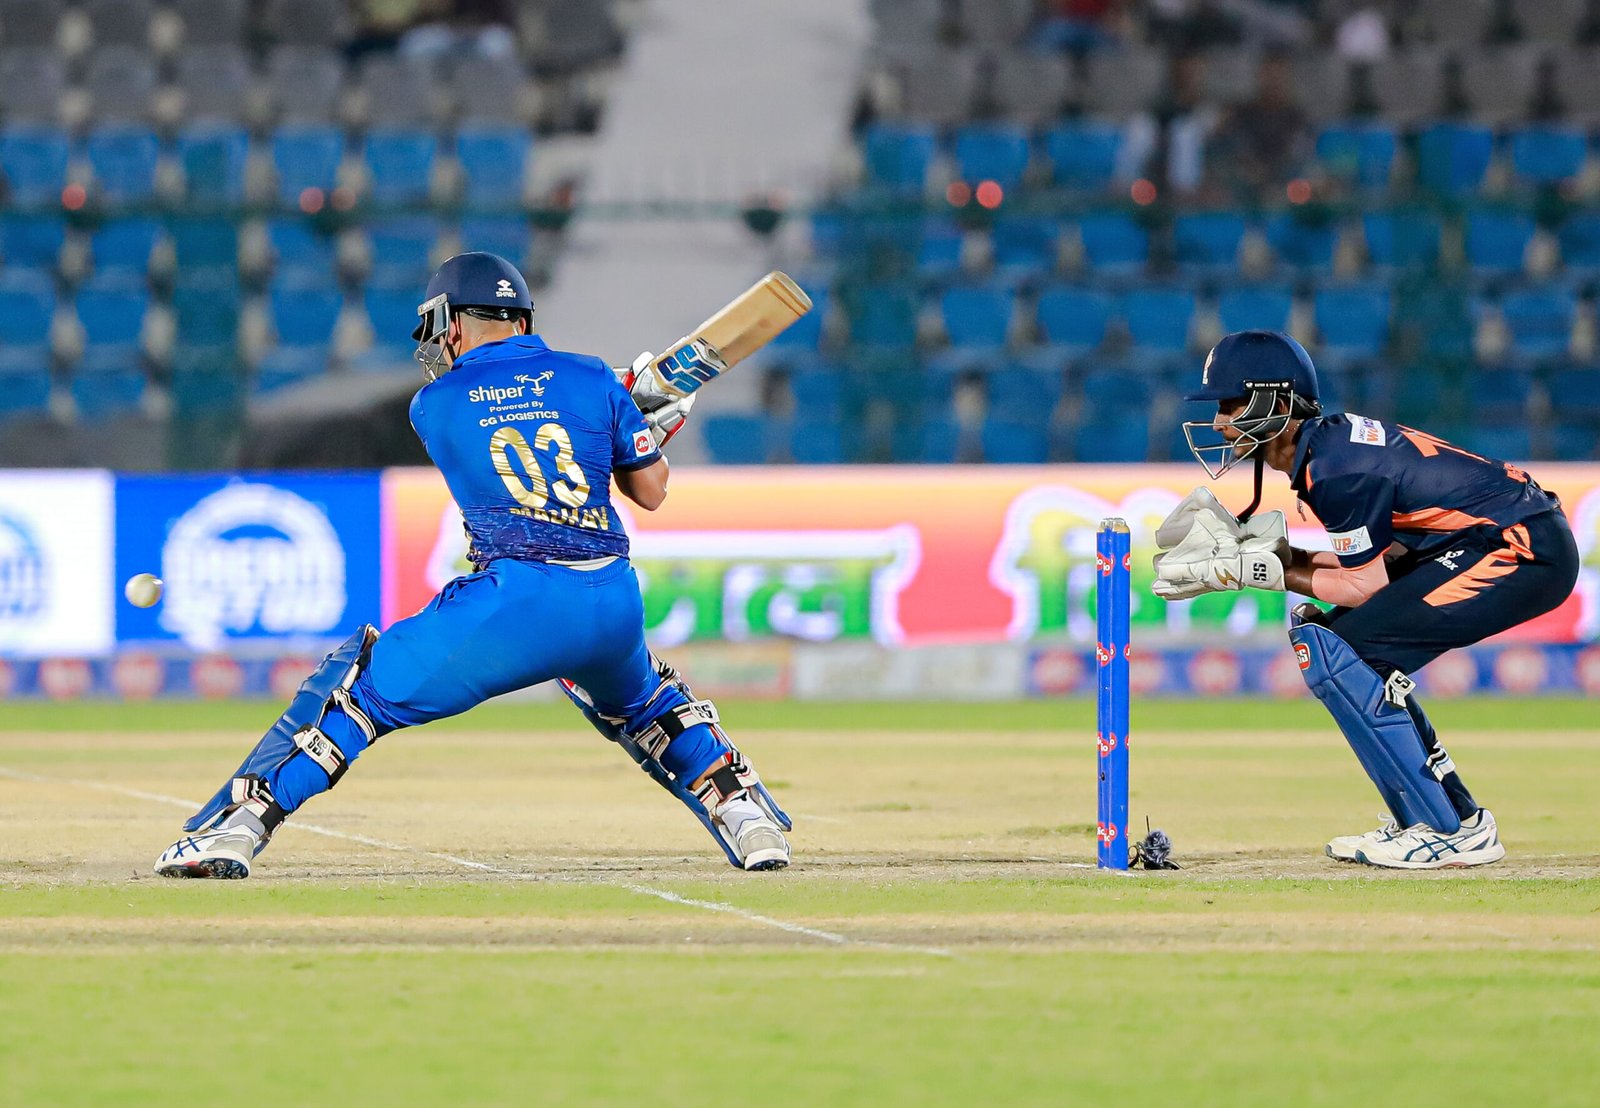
(223, 853)
(757, 840)
(1343, 848)
(1421, 847)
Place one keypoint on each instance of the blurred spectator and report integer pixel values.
(1264, 140)
(380, 24)
(1192, 25)
(1363, 35)
(1080, 26)
(1167, 143)
(1547, 104)
(484, 28)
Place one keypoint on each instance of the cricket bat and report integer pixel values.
(747, 323)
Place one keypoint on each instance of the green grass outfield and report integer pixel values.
(939, 940)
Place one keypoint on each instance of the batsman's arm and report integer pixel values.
(646, 487)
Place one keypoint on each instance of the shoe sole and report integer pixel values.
(218, 869)
(1487, 856)
(764, 860)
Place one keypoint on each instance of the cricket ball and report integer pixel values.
(142, 590)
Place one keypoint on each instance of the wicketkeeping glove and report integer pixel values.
(1219, 555)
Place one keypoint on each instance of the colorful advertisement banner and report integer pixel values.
(281, 559)
(923, 555)
(55, 563)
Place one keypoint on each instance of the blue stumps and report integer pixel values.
(1113, 600)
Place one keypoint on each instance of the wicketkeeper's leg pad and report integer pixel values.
(678, 740)
(323, 722)
(1372, 712)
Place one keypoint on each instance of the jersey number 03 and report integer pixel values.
(534, 492)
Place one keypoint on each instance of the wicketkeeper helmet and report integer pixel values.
(1261, 368)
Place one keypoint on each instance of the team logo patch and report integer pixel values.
(505, 290)
(1368, 432)
(1346, 543)
(1302, 655)
(643, 444)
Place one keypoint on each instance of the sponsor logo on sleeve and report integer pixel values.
(643, 444)
(1368, 432)
(1350, 542)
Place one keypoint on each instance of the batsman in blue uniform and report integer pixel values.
(1434, 547)
(529, 441)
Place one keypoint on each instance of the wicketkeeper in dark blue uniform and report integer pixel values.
(529, 440)
(1434, 547)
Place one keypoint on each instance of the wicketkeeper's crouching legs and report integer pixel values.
(305, 752)
(678, 740)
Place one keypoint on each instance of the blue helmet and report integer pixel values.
(475, 283)
(1272, 374)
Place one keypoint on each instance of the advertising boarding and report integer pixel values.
(55, 563)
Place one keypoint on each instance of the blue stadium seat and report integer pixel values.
(31, 241)
(284, 366)
(493, 163)
(736, 439)
(1579, 236)
(214, 158)
(884, 316)
(1497, 241)
(1539, 320)
(1075, 318)
(977, 315)
(1302, 243)
(112, 312)
(204, 379)
(1574, 442)
(939, 257)
(300, 251)
(400, 166)
(123, 161)
(205, 248)
(1452, 158)
(1547, 154)
(393, 313)
(206, 313)
(506, 235)
(1575, 391)
(106, 391)
(1207, 243)
(34, 160)
(939, 441)
(304, 315)
(306, 157)
(1083, 154)
(992, 152)
(816, 443)
(1361, 153)
(30, 300)
(1115, 422)
(1020, 395)
(24, 389)
(123, 246)
(1113, 244)
(1499, 396)
(1247, 308)
(1353, 320)
(1159, 318)
(1025, 246)
(818, 390)
(402, 246)
(1503, 444)
(1403, 239)
(1007, 443)
(896, 156)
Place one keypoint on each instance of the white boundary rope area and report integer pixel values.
(484, 867)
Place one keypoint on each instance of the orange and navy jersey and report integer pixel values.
(1372, 482)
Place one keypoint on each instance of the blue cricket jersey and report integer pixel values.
(1371, 483)
(527, 439)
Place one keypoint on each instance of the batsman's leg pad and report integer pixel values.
(299, 730)
(664, 731)
(1373, 715)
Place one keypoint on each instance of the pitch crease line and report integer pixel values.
(485, 867)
